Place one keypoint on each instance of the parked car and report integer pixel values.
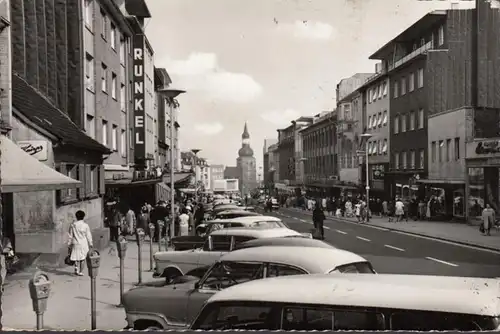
(355, 302)
(172, 264)
(187, 242)
(228, 214)
(175, 306)
(292, 242)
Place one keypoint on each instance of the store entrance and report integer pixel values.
(484, 189)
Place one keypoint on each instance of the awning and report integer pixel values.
(162, 192)
(429, 181)
(21, 172)
(129, 182)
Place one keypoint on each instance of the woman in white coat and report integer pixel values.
(80, 241)
(184, 223)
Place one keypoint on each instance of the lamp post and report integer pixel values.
(195, 163)
(366, 137)
(170, 94)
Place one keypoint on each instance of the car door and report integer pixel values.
(221, 244)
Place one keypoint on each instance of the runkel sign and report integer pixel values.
(139, 111)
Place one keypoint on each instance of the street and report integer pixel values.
(392, 252)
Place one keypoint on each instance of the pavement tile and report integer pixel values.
(69, 302)
(461, 233)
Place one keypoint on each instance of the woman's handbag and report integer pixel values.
(67, 259)
(481, 228)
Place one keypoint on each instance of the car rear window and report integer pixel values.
(355, 268)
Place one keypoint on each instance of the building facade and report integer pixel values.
(298, 150)
(246, 164)
(376, 104)
(286, 148)
(273, 170)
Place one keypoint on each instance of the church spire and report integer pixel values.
(245, 134)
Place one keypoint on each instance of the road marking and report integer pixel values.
(303, 220)
(297, 218)
(364, 239)
(341, 232)
(396, 248)
(441, 261)
(326, 227)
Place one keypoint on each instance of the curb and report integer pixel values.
(464, 243)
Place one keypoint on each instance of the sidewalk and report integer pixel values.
(459, 233)
(69, 302)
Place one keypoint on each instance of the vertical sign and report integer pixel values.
(138, 91)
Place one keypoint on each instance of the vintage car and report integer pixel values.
(172, 264)
(292, 242)
(187, 242)
(176, 306)
(228, 214)
(355, 303)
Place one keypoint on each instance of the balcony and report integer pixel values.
(420, 51)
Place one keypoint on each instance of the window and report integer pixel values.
(219, 243)
(122, 52)
(89, 14)
(354, 268)
(113, 36)
(104, 133)
(234, 315)
(396, 160)
(441, 148)
(384, 118)
(421, 160)
(411, 83)
(420, 78)
(227, 273)
(104, 78)
(123, 143)
(114, 138)
(68, 196)
(448, 150)
(396, 124)
(380, 143)
(396, 89)
(441, 36)
(370, 95)
(379, 119)
(433, 151)
(412, 159)
(412, 120)
(436, 321)
(90, 126)
(275, 270)
(384, 147)
(403, 123)
(403, 158)
(375, 93)
(385, 88)
(403, 86)
(104, 23)
(89, 72)
(421, 119)
(369, 122)
(457, 148)
(123, 98)
(380, 91)
(114, 85)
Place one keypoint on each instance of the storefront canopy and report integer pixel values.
(21, 172)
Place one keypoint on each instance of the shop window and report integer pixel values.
(476, 191)
(68, 196)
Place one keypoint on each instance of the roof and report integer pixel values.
(258, 233)
(257, 218)
(41, 112)
(239, 211)
(412, 292)
(293, 242)
(137, 8)
(313, 260)
(412, 32)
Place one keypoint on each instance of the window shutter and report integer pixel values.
(102, 186)
(81, 174)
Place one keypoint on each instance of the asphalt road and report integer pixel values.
(392, 252)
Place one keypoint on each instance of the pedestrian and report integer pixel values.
(357, 211)
(399, 210)
(80, 241)
(385, 208)
(199, 215)
(144, 219)
(114, 223)
(488, 216)
(318, 220)
(131, 220)
(184, 223)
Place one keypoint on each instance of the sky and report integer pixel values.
(267, 62)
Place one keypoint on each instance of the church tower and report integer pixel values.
(246, 164)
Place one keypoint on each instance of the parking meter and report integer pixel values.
(151, 237)
(161, 224)
(121, 245)
(39, 286)
(140, 240)
(93, 263)
(140, 236)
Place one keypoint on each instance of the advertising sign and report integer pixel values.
(138, 93)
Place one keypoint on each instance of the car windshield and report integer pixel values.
(355, 268)
(268, 224)
(227, 273)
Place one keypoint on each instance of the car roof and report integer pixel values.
(312, 259)
(466, 295)
(258, 218)
(258, 232)
(250, 213)
(294, 242)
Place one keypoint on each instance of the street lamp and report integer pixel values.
(170, 94)
(366, 137)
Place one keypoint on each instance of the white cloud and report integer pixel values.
(200, 72)
(280, 118)
(313, 30)
(209, 128)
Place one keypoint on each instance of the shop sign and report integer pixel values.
(488, 147)
(36, 148)
(378, 172)
(138, 93)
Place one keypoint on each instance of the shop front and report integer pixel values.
(482, 186)
(445, 198)
(405, 185)
(379, 187)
